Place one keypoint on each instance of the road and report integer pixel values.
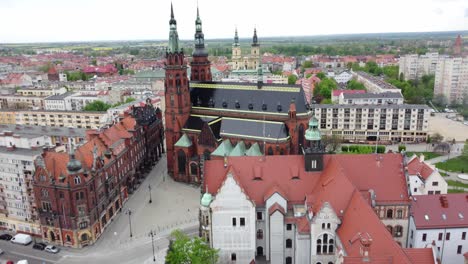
(174, 205)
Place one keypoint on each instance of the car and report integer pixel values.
(52, 249)
(39, 246)
(1, 251)
(5, 237)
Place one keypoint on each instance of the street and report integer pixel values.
(174, 205)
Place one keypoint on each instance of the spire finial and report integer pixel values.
(172, 12)
(198, 13)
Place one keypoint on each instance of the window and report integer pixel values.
(61, 195)
(459, 249)
(415, 190)
(288, 226)
(260, 234)
(325, 244)
(447, 236)
(399, 214)
(328, 226)
(440, 236)
(389, 213)
(430, 192)
(45, 193)
(288, 260)
(424, 237)
(242, 221)
(77, 179)
(259, 216)
(435, 183)
(234, 222)
(233, 256)
(464, 236)
(46, 206)
(398, 231)
(288, 243)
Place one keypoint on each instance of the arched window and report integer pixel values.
(300, 138)
(45, 193)
(260, 234)
(77, 179)
(389, 213)
(398, 231)
(330, 262)
(181, 160)
(259, 251)
(328, 226)
(323, 225)
(399, 214)
(193, 169)
(233, 256)
(288, 260)
(270, 151)
(288, 243)
(325, 244)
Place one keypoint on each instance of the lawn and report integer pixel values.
(454, 165)
(457, 183)
(427, 155)
(455, 191)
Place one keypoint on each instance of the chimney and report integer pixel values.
(443, 201)
(366, 242)
(421, 157)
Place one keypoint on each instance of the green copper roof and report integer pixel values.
(223, 149)
(206, 199)
(254, 150)
(313, 133)
(239, 150)
(184, 142)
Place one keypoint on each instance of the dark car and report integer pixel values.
(39, 246)
(6, 237)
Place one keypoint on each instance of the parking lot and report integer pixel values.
(17, 252)
(448, 128)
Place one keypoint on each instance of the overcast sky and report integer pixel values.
(85, 20)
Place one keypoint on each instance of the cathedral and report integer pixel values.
(246, 62)
(214, 120)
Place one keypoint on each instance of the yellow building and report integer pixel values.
(249, 61)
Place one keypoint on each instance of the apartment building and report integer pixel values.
(414, 66)
(451, 78)
(371, 98)
(21, 102)
(41, 91)
(375, 84)
(391, 122)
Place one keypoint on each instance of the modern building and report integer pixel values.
(451, 78)
(337, 93)
(371, 98)
(375, 84)
(57, 102)
(21, 102)
(200, 114)
(310, 208)
(78, 195)
(247, 61)
(359, 123)
(41, 91)
(414, 66)
(440, 220)
(424, 178)
(343, 77)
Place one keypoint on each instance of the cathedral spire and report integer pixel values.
(173, 35)
(236, 38)
(199, 37)
(255, 38)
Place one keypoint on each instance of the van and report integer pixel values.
(24, 261)
(22, 239)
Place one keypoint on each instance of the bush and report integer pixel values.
(344, 148)
(401, 148)
(363, 149)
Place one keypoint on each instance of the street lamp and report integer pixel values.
(129, 213)
(149, 190)
(151, 233)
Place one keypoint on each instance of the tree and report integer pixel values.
(324, 88)
(355, 85)
(292, 79)
(332, 143)
(186, 250)
(94, 62)
(464, 153)
(97, 106)
(437, 138)
(307, 64)
(321, 75)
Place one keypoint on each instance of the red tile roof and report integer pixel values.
(420, 255)
(417, 167)
(454, 206)
(276, 207)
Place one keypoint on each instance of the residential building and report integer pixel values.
(414, 66)
(458, 46)
(14, 80)
(21, 102)
(371, 98)
(247, 61)
(41, 91)
(337, 93)
(310, 208)
(252, 76)
(375, 84)
(451, 78)
(424, 178)
(390, 123)
(57, 102)
(78, 195)
(440, 220)
(106, 70)
(343, 77)
(78, 101)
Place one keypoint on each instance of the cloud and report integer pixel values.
(438, 11)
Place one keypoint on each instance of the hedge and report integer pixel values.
(362, 149)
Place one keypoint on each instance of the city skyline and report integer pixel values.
(148, 20)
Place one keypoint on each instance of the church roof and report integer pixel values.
(247, 97)
(184, 142)
(223, 149)
(254, 150)
(254, 129)
(239, 150)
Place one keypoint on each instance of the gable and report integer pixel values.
(230, 195)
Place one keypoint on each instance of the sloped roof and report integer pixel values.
(254, 129)
(433, 206)
(223, 149)
(254, 150)
(418, 167)
(239, 150)
(183, 142)
(420, 255)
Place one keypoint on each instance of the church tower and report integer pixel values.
(236, 52)
(255, 51)
(176, 91)
(313, 156)
(200, 64)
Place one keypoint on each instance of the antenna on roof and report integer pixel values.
(377, 141)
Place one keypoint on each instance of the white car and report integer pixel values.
(52, 249)
(1, 251)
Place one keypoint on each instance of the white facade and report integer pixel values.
(451, 78)
(371, 98)
(414, 67)
(375, 84)
(433, 184)
(343, 77)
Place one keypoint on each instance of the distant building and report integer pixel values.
(57, 102)
(414, 66)
(375, 84)
(343, 77)
(14, 80)
(440, 220)
(424, 178)
(371, 98)
(41, 91)
(451, 78)
(21, 102)
(458, 46)
(107, 70)
(53, 75)
(337, 93)
(247, 61)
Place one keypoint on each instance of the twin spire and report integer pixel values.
(173, 45)
(254, 39)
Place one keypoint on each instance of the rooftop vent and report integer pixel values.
(264, 107)
(250, 106)
(426, 217)
(444, 201)
(225, 104)
(237, 104)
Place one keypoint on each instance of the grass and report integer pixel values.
(427, 155)
(455, 191)
(457, 164)
(457, 183)
(443, 174)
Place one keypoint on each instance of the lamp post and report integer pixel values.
(151, 233)
(129, 213)
(149, 190)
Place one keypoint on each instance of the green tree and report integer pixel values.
(308, 75)
(94, 62)
(321, 75)
(186, 250)
(307, 64)
(355, 85)
(97, 106)
(324, 88)
(292, 79)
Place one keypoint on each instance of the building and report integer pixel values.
(451, 78)
(247, 61)
(78, 101)
(41, 91)
(100, 71)
(424, 178)
(343, 77)
(458, 46)
(78, 195)
(252, 76)
(414, 66)
(375, 84)
(440, 220)
(310, 208)
(371, 98)
(360, 123)
(14, 80)
(200, 114)
(57, 102)
(337, 93)
(21, 102)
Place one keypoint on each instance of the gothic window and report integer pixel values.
(325, 244)
(233, 257)
(399, 214)
(389, 213)
(300, 138)
(259, 251)
(77, 179)
(193, 169)
(181, 161)
(270, 151)
(42, 177)
(45, 193)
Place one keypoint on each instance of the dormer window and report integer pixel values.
(237, 104)
(264, 107)
(250, 106)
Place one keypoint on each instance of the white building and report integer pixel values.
(414, 66)
(424, 178)
(451, 78)
(375, 84)
(441, 220)
(57, 102)
(343, 77)
(371, 98)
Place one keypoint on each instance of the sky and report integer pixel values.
(89, 20)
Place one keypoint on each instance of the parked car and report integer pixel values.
(5, 237)
(52, 249)
(40, 246)
(1, 251)
(23, 261)
(22, 239)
